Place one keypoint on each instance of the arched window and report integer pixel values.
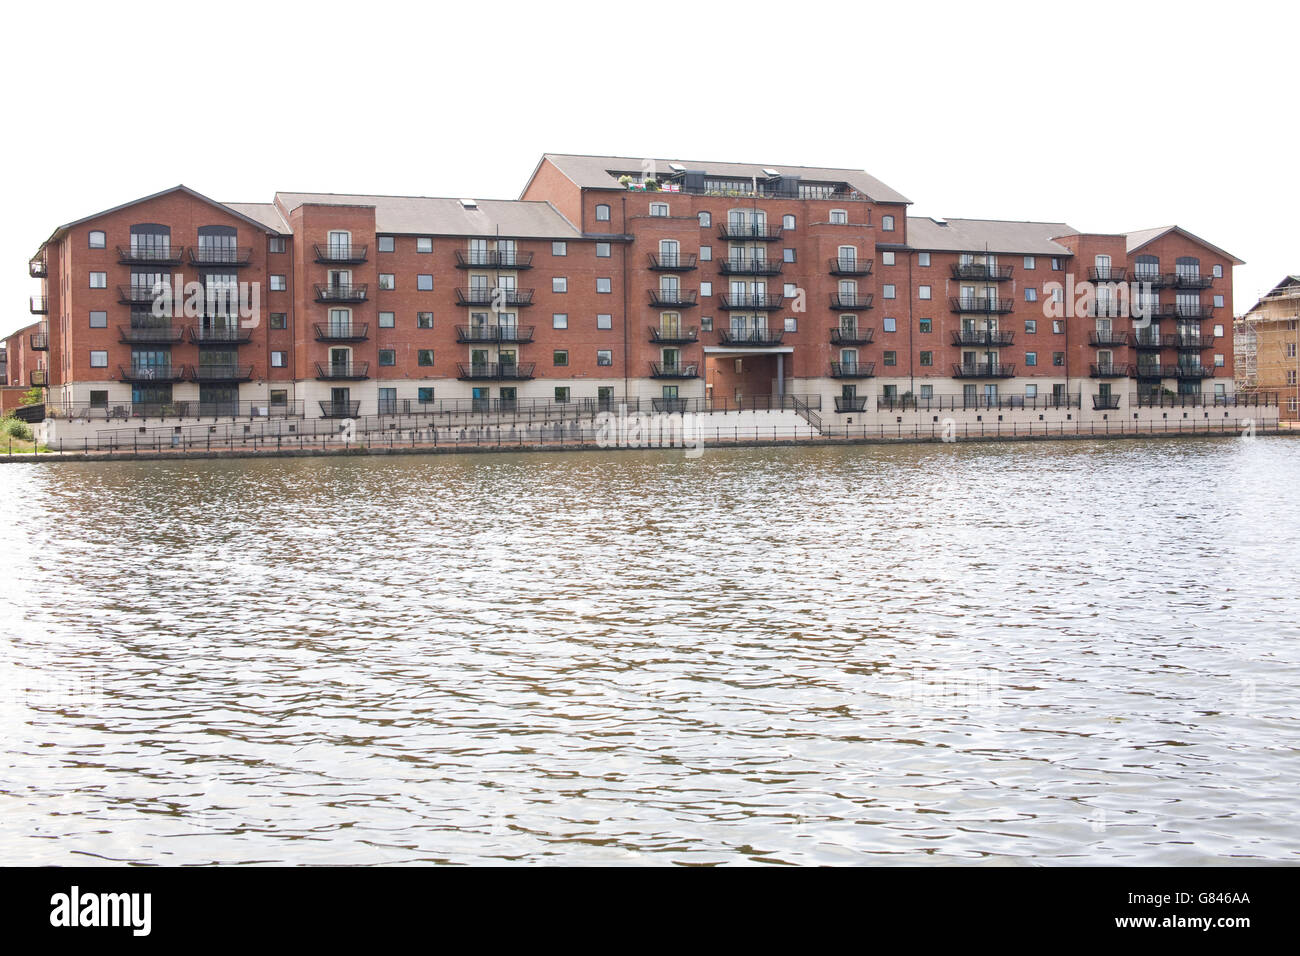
(602, 212)
(1146, 267)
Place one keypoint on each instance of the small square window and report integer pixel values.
(559, 248)
(387, 357)
(891, 358)
(98, 359)
(279, 396)
(1056, 264)
(1031, 325)
(889, 324)
(1031, 294)
(787, 221)
(275, 244)
(1219, 360)
(560, 284)
(1031, 391)
(560, 358)
(602, 212)
(99, 280)
(1218, 331)
(659, 209)
(1029, 262)
(604, 285)
(1218, 302)
(424, 395)
(790, 290)
(889, 291)
(560, 320)
(277, 359)
(604, 357)
(924, 292)
(387, 320)
(788, 255)
(1058, 359)
(424, 283)
(387, 280)
(706, 323)
(98, 398)
(1058, 326)
(706, 253)
(887, 223)
(278, 284)
(99, 320)
(925, 325)
(1031, 358)
(927, 358)
(887, 258)
(839, 217)
(424, 357)
(424, 244)
(1217, 272)
(279, 320)
(791, 323)
(604, 321)
(602, 250)
(424, 320)
(706, 220)
(385, 243)
(923, 258)
(97, 239)
(706, 288)
(561, 394)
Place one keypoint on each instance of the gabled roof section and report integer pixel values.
(602, 172)
(435, 216)
(264, 213)
(1142, 237)
(988, 235)
(1288, 287)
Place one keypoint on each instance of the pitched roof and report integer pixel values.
(601, 172)
(1140, 238)
(1289, 284)
(263, 212)
(988, 235)
(431, 216)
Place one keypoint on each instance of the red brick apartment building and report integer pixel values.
(614, 279)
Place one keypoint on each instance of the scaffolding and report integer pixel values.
(1266, 347)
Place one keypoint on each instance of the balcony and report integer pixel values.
(672, 298)
(1146, 339)
(851, 301)
(39, 341)
(150, 334)
(671, 336)
(158, 374)
(980, 303)
(39, 305)
(1190, 340)
(1191, 280)
(37, 269)
(342, 371)
(1097, 370)
(1154, 370)
(150, 255)
(493, 334)
(494, 259)
(749, 267)
(498, 298)
(230, 257)
(1156, 280)
(674, 370)
(853, 369)
(855, 336)
(668, 262)
(1108, 340)
(983, 370)
(39, 378)
(227, 335)
(988, 338)
(843, 404)
(1191, 312)
(1192, 371)
(849, 267)
(751, 302)
(495, 371)
(752, 231)
(220, 373)
(751, 338)
(1096, 274)
(342, 331)
(1100, 402)
(337, 254)
(329, 409)
(980, 272)
(340, 292)
(137, 295)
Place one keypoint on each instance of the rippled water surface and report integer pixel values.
(1047, 653)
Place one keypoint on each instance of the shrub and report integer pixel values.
(13, 428)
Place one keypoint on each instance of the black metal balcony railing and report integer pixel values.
(39, 341)
(1152, 370)
(136, 294)
(340, 254)
(754, 338)
(1191, 340)
(1108, 340)
(38, 269)
(854, 336)
(221, 373)
(342, 371)
(674, 370)
(674, 336)
(342, 331)
(853, 369)
(673, 298)
(757, 231)
(753, 266)
(672, 262)
(751, 301)
(151, 373)
(166, 334)
(493, 259)
(39, 378)
(488, 334)
(39, 305)
(1105, 274)
(1193, 371)
(851, 301)
(979, 303)
(500, 371)
(1156, 280)
(1100, 370)
(341, 292)
(332, 409)
(224, 335)
(981, 272)
(502, 298)
(1191, 280)
(150, 255)
(841, 266)
(855, 404)
(234, 257)
(1105, 401)
(989, 338)
(1191, 311)
(1146, 339)
(983, 370)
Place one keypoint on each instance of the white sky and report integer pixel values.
(1108, 116)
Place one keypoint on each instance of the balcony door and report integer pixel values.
(341, 399)
(478, 360)
(508, 326)
(340, 245)
(672, 359)
(340, 323)
(506, 253)
(668, 252)
(508, 358)
(670, 325)
(849, 359)
(478, 254)
(848, 326)
(848, 256)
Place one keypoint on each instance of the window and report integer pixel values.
(787, 222)
(1217, 272)
(98, 398)
(99, 320)
(602, 250)
(604, 357)
(1218, 302)
(889, 291)
(788, 255)
(891, 358)
(386, 320)
(706, 288)
(1031, 358)
(97, 239)
(604, 284)
(887, 223)
(789, 290)
(889, 324)
(791, 323)
(706, 253)
(560, 358)
(424, 357)
(559, 248)
(659, 209)
(561, 394)
(925, 325)
(1058, 326)
(560, 284)
(1218, 331)
(1031, 294)
(279, 320)
(424, 320)
(99, 280)
(887, 258)
(927, 358)
(706, 323)
(924, 292)
(275, 244)
(278, 284)
(1218, 360)
(387, 357)
(604, 321)
(277, 359)
(923, 259)
(98, 359)
(1031, 325)
(1056, 264)
(424, 283)
(1058, 359)
(1029, 262)
(602, 212)
(706, 220)
(385, 243)
(839, 217)
(560, 320)
(424, 395)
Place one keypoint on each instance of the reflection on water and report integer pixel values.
(1021, 653)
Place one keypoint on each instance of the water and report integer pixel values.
(1022, 653)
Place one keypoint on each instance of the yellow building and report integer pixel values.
(1267, 349)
